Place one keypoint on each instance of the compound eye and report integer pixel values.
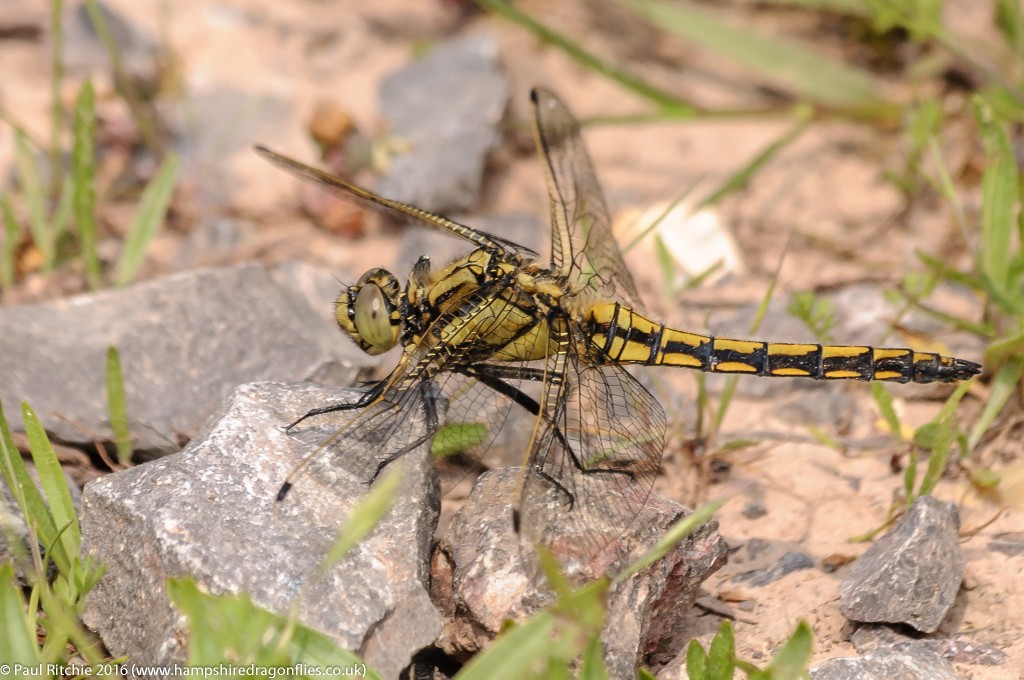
(373, 319)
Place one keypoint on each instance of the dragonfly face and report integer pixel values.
(497, 329)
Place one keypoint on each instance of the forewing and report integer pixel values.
(582, 244)
(394, 210)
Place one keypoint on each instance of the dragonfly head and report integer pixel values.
(370, 311)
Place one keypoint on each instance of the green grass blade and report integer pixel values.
(852, 8)
(883, 400)
(125, 83)
(12, 236)
(117, 407)
(665, 100)
(53, 481)
(28, 496)
(18, 643)
(83, 175)
(806, 73)
(741, 178)
(35, 198)
(515, 654)
(1003, 388)
(455, 438)
(696, 662)
(232, 630)
(56, 91)
(61, 219)
(1010, 21)
(722, 653)
(998, 198)
(152, 210)
(940, 433)
(790, 662)
(672, 537)
(592, 666)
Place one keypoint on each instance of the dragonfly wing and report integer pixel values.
(394, 210)
(594, 457)
(582, 244)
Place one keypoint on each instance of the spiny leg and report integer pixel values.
(363, 401)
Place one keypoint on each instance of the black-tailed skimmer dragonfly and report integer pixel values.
(499, 326)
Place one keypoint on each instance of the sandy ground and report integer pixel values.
(251, 71)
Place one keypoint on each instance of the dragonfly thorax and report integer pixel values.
(370, 311)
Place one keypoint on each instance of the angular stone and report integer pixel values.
(137, 50)
(959, 650)
(210, 513)
(788, 563)
(912, 574)
(446, 108)
(186, 341)
(914, 663)
(482, 574)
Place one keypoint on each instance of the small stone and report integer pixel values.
(754, 510)
(912, 574)
(788, 563)
(1010, 543)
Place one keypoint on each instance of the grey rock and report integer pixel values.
(85, 51)
(446, 107)
(788, 563)
(186, 341)
(320, 288)
(956, 650)
(210, 513)
(754, 510)
(482, 573)
(1008, 543)
(912, 574)
(215, 126)
(888, 664)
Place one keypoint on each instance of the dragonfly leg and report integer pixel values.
(364, 400)
(491, 376)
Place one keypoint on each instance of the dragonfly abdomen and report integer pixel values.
(625, 336)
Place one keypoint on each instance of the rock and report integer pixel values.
(320, 287)
(85, 51)
(210, 513)
(754, 510)
(446, 107)
(788, 563)
(482, 574)
(186, 341)
(912, 574)
(958, 650)
(888, 664)
(1008, 543)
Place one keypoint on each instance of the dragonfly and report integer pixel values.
(502, 328)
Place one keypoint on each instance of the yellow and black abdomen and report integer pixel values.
(622, 335)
